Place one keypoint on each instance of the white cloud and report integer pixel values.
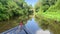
(42, 32)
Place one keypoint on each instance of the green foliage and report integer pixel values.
(37, 6)
(50, 19)
(47, 3)
(13, 12)
(13, 8)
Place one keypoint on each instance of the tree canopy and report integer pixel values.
(50, 19)
(13, 8)
(47, 14)
(13, 12)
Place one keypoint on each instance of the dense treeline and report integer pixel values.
(13, 8)
(12, 12)
(44, 5)
(48, 16)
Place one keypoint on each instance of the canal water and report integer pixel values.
(31, 28)
(35, 29)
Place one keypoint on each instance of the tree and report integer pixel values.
(37, 6)
(44, 5)
(50, 19)
(13, 12)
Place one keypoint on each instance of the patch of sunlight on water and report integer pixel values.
(43, 32)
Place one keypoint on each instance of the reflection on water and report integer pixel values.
(33, 27)
(42, 32)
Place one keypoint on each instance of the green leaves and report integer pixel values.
(12, 12)
(14, 8)
(50, 19)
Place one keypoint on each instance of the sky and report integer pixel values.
(31, 2)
